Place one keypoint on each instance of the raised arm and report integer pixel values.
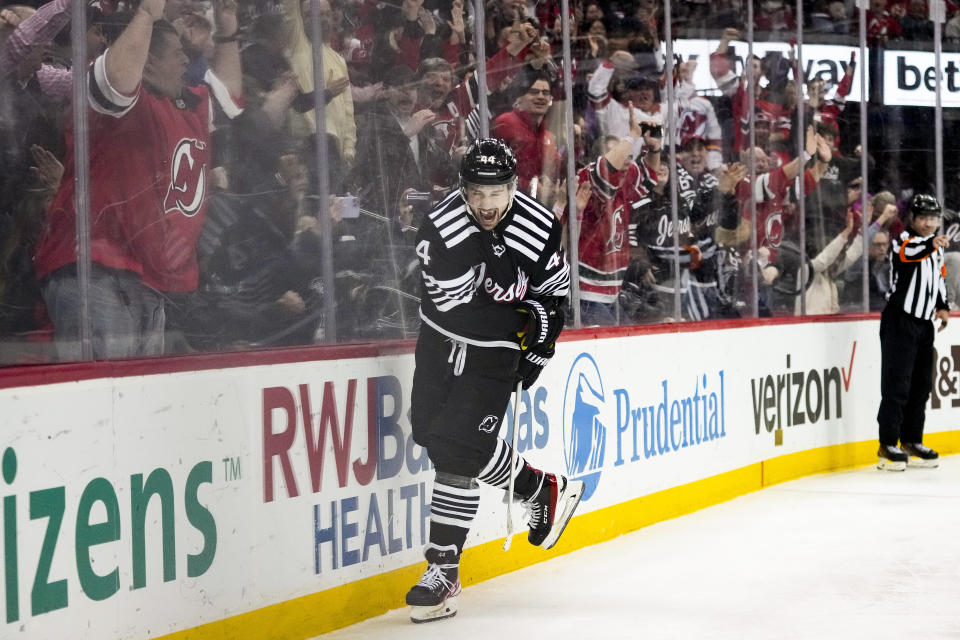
(597, 88)
(226, 55)
(813, 147)
(124, 61)
(620, 151)
(723, 75)
(36, 31)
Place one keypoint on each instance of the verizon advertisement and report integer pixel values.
(141, 506)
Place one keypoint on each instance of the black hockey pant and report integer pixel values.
(906, 376)
(459, 398)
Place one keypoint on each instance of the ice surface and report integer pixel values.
(853, 554)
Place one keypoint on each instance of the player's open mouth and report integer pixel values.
(489, 215)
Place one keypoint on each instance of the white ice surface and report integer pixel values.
(847, 555)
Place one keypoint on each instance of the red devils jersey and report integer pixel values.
(533, 144)
(769, 191)
(149, 158)
(604, 247)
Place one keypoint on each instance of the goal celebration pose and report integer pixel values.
(494, 283)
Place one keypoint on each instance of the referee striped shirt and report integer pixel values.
(917, 275)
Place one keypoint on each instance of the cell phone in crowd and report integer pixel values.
(349, 206)
(420, 200)
(654, 130)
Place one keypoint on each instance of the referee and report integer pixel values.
(917, 295)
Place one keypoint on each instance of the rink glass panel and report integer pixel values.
(309, 239)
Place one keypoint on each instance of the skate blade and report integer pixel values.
(446, 609)
(891, 465)
(570, 499)
(920, 463)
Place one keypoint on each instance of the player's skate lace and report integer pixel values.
(917, 449)
(532, 512)
(535, 511)
(434, 578)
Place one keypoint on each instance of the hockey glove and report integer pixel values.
(532, 363)
(543, 323)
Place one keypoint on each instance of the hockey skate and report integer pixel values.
(435, 596)
(891, 458)
(551, 507)
(919, 455)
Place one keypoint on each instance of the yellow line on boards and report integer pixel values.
(342, 606)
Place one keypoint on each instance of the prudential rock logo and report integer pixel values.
(584, 433)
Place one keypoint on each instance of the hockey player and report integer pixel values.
(494, 282)
(918, 295)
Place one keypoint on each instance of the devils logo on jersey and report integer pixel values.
(615, 241)
(692, 123)
(489, 423)
(774, 228)
(187, 178)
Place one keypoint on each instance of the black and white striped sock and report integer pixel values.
(453, 506)
(497, 472)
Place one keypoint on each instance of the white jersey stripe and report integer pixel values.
(480, 343)
(529, 204)
(466, 233)
(450, 215)
(467, 276)
(453, 227)
(436, 293)
(513, 244)
(117, 104)
(222, 95)
(545, 234)
(441, 297)
(558, 284)
(520, 234)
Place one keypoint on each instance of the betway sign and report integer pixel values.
(910, 77)
(828, 62)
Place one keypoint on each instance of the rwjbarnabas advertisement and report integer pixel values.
(137, 507)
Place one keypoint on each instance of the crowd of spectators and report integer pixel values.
(207, 229)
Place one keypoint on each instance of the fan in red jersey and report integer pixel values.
(149, 164)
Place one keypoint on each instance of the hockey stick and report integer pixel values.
(513, 461)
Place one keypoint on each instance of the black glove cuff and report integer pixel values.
(543, 322)
(537, 359)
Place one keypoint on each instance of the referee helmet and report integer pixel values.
(925, 205)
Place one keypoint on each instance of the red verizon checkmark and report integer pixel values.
(843, 371)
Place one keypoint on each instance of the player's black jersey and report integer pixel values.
(701, 209)
(652, 229)
(472, 279)
(712, 210)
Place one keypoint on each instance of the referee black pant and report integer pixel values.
(906, 375)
